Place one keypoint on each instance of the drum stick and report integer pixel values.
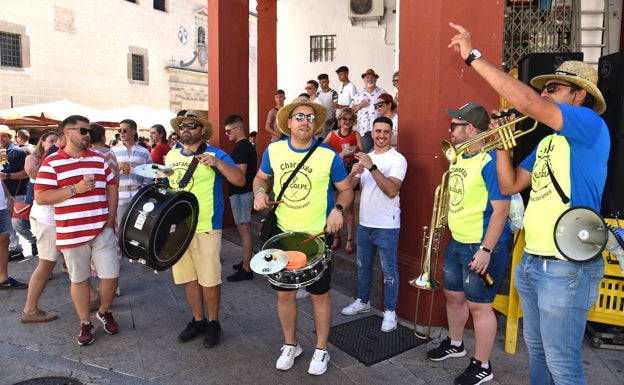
(319, 234)
(273, 202)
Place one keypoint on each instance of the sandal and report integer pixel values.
(337, 242)
(349, 246)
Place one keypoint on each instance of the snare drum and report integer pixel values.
(158, 226)
(317, 260)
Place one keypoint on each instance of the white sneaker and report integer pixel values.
(356, 307)
(302, 293)
(287, 358)
(318, 365)
(389, 322)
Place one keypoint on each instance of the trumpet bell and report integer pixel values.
(449, 151)
(425, 282)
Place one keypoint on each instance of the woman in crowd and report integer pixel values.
(346, 142)
(387, 107)
(44, 229)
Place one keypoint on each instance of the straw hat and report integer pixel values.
(6, 130)
(580, 74)
(190, 114)
(284, 114)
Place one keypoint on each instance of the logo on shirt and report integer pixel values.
(456, 189)
(299, 187)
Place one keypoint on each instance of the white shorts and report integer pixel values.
(46, 240)
(102, 250)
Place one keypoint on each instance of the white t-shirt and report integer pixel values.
(345, 95)
(377, 210)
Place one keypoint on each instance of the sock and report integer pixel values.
(485, 365)
(456, 343)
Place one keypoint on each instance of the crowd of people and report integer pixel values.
(339, 143)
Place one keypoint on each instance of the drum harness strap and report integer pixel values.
(192, 166)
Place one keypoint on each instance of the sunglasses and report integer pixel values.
(190, 126)
(227, 132)
(552, 87)
(300, 116)
(123, 131)
(377, 105)
(454, 124)
(347, 119)
(83, 131)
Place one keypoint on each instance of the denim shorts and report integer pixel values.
(241, 207)
(459, 277)
(5, 222)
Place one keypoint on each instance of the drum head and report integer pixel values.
(314, 250)
(158, 226)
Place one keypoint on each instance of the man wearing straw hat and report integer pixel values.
(199, 268)
(306, 207)
(567, 168)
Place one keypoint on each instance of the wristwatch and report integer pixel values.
(339, 207)
(373, 168)
(474, 55)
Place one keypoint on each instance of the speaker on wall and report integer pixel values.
(611, 84)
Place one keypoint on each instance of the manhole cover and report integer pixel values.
(50, 381)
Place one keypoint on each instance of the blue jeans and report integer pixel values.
(556, 296)
(368, 241)
(367, 143)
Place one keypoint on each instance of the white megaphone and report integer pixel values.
(581, 234)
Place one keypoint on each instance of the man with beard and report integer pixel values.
(364, 105)
(83, 190)
(308, 208)
(199, 269)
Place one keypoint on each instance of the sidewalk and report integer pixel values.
(152, 311)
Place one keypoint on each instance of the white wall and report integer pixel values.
(358, 47)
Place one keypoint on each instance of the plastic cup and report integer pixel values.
(3, 155)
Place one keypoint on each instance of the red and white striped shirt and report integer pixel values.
(82, 217)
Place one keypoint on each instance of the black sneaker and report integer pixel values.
(446, 350)
(192, 330)
(475, 374)
(15, 256)
(12, 284)
(240, 275)
(238, 266)
(213, 333)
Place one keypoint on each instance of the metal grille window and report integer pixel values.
(322, 48)
(537, 26)
(138, 67)
(201, 35)
(10, 50)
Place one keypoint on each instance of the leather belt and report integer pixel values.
(549, 257)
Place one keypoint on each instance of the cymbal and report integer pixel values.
(153, 171)
(269, 261)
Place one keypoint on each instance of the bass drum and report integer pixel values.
(158, 226)
(317, 260)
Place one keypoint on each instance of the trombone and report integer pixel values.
(503, 137)
(432, 239)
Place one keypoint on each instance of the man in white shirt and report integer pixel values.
(347, 90)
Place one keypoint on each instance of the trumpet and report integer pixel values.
(432, 239)
(503, 137)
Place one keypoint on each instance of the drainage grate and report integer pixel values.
(50, 381)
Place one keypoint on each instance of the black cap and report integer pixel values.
(342, 69)
(473, 114)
